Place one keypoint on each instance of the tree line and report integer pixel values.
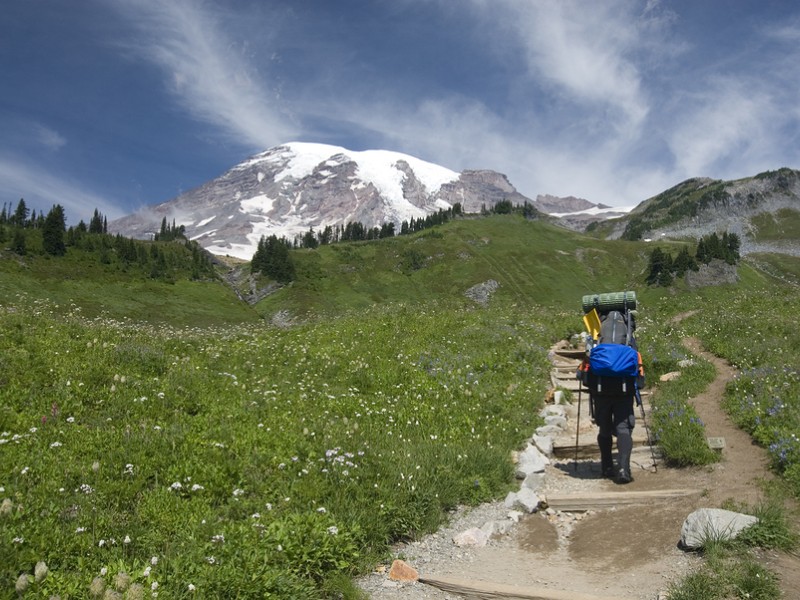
(27, 232)
(273, 259)
(662, 268)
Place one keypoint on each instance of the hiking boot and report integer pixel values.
(608, 472)
(624, 476)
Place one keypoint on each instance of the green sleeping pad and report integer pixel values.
(609, 301)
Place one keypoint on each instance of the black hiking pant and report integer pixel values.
(615, 417)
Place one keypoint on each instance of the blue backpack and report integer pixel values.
(614, 360)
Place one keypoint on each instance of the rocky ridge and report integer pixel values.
(292, 188)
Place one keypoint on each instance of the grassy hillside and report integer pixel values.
(534, 263)
(79, 279)
(155, 433)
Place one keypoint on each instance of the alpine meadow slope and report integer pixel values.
(156, 433)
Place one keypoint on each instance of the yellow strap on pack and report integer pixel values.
(592, 321)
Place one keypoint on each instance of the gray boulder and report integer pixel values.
(707, 524)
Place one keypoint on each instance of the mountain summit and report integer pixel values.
(291, 188)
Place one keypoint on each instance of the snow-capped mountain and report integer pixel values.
(296, 186)
(577, 213)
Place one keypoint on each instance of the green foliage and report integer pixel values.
(534, 263)
(273, 259)
(662, 268)
(675, 425)
(773, 529)
(720, 580)
(53, 232)
(269, 461)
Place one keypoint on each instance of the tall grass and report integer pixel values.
(266, 461)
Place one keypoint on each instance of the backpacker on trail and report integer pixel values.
(612, 372)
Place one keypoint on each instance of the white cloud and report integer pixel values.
(49, 138)
(728, 122)
(205, 72)
(42, 190)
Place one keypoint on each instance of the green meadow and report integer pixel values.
(160, 436)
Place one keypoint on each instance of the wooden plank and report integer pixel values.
(488, 590)
(570, 353)
(601, 500)
(564, 447)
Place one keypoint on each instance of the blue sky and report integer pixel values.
(116, 104)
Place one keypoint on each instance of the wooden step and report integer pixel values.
(564, 447)
(579, 353)
(487, 590)
(603, 500)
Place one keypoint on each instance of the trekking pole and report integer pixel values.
(578, 427)
(646, 429)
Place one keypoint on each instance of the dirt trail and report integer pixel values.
(627, 552)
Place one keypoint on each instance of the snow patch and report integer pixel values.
(596, 211)
(206, 221)
(261, 204)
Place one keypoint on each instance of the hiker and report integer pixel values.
(613, 373)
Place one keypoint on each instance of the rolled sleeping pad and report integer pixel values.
(610, 301)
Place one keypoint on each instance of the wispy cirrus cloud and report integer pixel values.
(49, 138)
(206, 69)
(41, 188)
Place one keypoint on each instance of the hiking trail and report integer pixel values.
(598, 540)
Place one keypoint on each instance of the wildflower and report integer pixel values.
(146, 572)
(5, 507)
(18, 540)
(129, 469)
(22, 584)
(322, 510)
(96, 466)
(218, 539)
(70, 419)
(127, 540)
(135, 592)
(101, 543)
(333, 530)
(40, 571)
(104, 571)
(97, 587)
(122, 581)
(55, 445)
(154, 586)
(176, 486)
(238, 492)
(191, 587)
(211, 560)
(154, 561)
(25, 471)
(197, 487)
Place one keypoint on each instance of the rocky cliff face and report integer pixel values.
(701, 206)
(289, 189)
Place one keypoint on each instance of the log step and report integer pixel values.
(602, 500)
(488, 590)
(588, 448)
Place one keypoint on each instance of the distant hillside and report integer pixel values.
(763, 210)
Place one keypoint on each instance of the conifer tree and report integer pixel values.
(19, 243)
(20, 218)
(53, 232)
